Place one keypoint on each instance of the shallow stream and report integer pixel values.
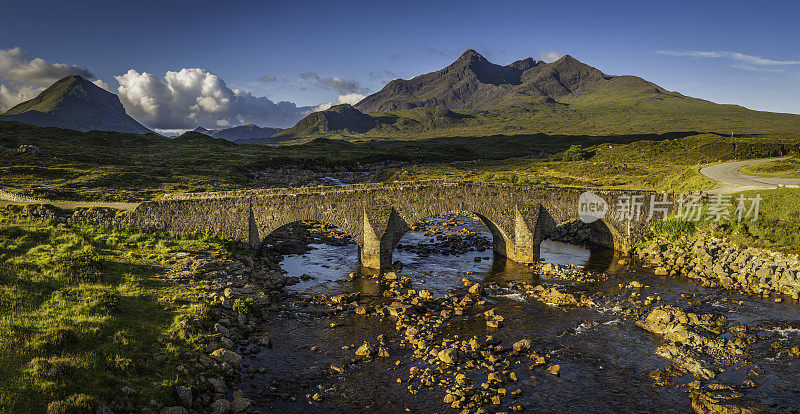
(605, 358)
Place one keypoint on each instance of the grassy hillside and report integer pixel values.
(121, 167)
(664, 165)
(75, 103)
(578, 115)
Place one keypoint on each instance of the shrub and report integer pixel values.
(246, 306)
(674, 228)
(575, 153)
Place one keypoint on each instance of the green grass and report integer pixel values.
(675, 228)
(662, 165)
(778, 225)
(84, 312)
(789, 168)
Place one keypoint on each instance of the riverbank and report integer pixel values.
(715, 261)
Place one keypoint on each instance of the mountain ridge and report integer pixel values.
(241, 132)
(75, 103)
(474, 97)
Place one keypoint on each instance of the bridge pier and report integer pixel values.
(524, 246)
(383, 230)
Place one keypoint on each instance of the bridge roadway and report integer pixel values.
(377, 215)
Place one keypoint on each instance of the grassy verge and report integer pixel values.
(789, 168)
(84, 311)
(777, 227)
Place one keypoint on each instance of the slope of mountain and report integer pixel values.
(337, 118)
(75, 103)
(247, 132)
(528, 96)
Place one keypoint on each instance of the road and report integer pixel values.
(731, 180)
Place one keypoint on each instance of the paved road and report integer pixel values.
(731, 180)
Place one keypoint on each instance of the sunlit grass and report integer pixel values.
(84, 311)
(789, 168)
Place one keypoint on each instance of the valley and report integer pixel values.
(441, 234)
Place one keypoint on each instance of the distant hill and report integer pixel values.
(193, 137)
(248, 132)
(338, 118)
(474, 97)
(77, 104)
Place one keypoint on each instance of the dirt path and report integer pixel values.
(9, 198)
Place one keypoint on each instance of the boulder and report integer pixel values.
(448, 356)
(522, 345)
(221, 406)
(366, 350)
(227, 356)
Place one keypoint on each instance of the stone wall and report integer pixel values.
(377, 215)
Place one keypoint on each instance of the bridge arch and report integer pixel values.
(601, 233)
(376, 215)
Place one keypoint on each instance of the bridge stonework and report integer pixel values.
(519, 217)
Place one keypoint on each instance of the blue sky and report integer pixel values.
(751, 52)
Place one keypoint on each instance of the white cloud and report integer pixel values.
(550, 56)
(16, 65)
(196, 97)
(10, 96)
(739, 57)
(22, 78)
(350, 98)
(103, 85)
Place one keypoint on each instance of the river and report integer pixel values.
(605, 359)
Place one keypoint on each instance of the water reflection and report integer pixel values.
(431, 266)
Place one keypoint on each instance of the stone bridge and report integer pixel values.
(377, 215)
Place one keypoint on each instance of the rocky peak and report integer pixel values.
(525, 64)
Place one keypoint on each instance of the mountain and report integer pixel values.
(337, 118)
(473, 82)
(474, 97)
(77, 104)
(248, 132)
